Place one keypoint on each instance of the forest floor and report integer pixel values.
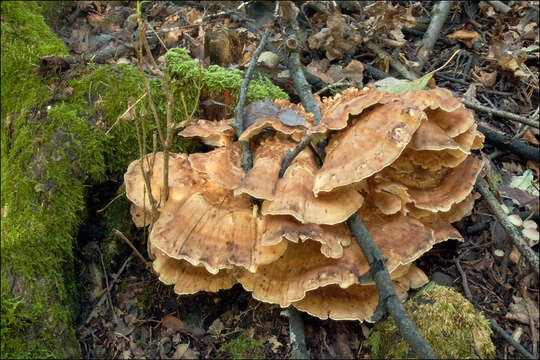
(497, 67)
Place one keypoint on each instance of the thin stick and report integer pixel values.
(110, 202)
(510, 229)
(247, 159)
(115, 280)
(124, 113)
(463, 280)
(388, 298)
(123, 237)
(508, 338)
(433, 32)
(399, 67)
(532, 326)
(504, 114)
(107, 284)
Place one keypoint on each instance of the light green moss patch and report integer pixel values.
(448, 322)
(243, 347)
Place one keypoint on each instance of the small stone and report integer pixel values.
(529, 224)
(515, 220)
(498, 253)
(532, 235)
(268, 59)
(442, 278)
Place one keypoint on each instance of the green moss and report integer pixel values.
(244, 347)
(189, 76)
(448, 322)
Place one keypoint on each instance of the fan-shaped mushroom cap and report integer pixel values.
(390, 197)
(375, 141)
(460, 210)
(189, 279)
(453, 123)
(336, 110)
(222, 165)
(141, 218)
(430, 136)
(332, 238)
(302, 268)
(434, 160)
(180, 175)
(357, 302)
(270, 123)
(261, 179)
(293, 196)
(213, 133)
(454, 187)
(205, 224)
(438, 98)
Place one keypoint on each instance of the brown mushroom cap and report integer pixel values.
(454, 187)
(303, 268)
(430, 136)
(460, 210)
(180, 175)
(293, 196)
(270, 123)
(438, 98)
(336, 110)
(375, 141)
(262, 178)
(222, 165)
(213, 133)
(205, 224)
(332, 238)
(357, 302)
(189, 279)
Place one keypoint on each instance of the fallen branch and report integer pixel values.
(388, 298)
(510, 229)
(433, 32)
(247, 159)
(513, 145)
(296, 333)
(395, 64)
(126, 240)
(500, 6)
(508, 338)
(504, 114)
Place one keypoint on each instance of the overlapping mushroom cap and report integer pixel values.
(401, 161)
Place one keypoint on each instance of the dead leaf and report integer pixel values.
(518, 310)
(355, 73)
(530, 138)
(180, 351)
(468, 37)
(216, 328)
(275, 343)
(173, 323)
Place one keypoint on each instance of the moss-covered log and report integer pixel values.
(54, 142)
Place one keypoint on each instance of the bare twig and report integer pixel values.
(463, 280)
(123, 237)
(115, 280)
(296, 333)
(505, 114)
(508, 338)
(517, 147)
(399, 67)
(124, 113)
(388, 298)
(500, 6)
(510, 229)
(532, 326)
(247, 160)
(110, 202)
(433, 32)
(107, 284)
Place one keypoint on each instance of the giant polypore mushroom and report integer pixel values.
(402, 162)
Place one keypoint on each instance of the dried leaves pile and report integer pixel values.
(401, 161)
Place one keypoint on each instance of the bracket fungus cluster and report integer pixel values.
(402, 162)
